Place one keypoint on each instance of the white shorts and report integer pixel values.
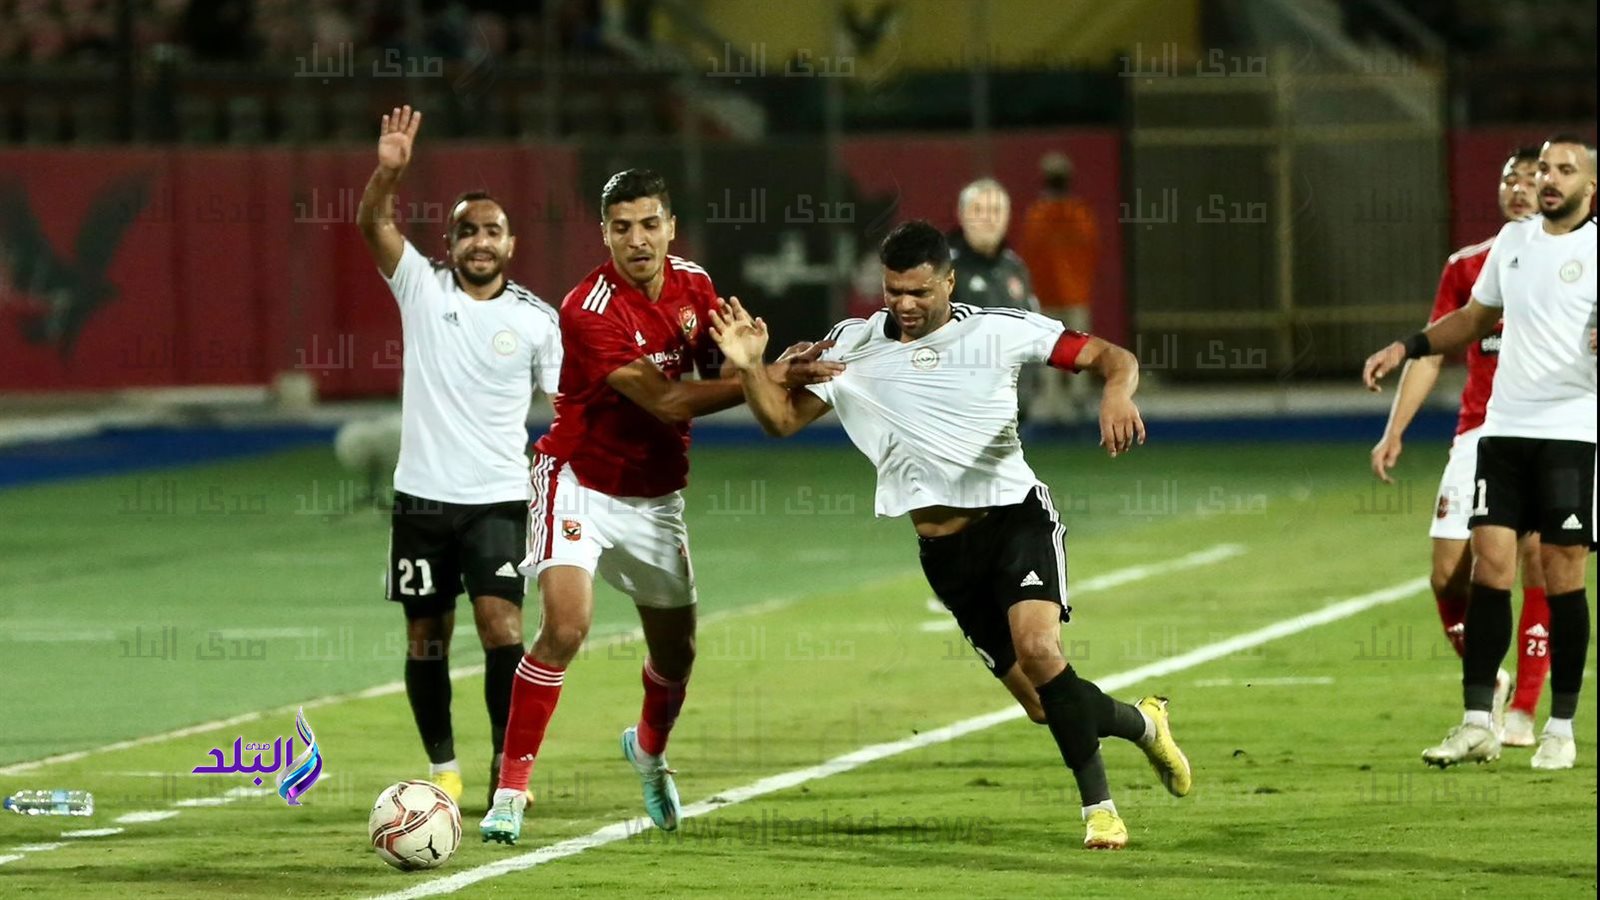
(1453, 507)
(639, 545)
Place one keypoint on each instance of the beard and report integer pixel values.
(478, 279)
(1568, 206)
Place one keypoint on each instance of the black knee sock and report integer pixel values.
(1073, 723)
(1569, 645)
(1113, 718)
(428, 689)
(499, 671)
(1487, 640)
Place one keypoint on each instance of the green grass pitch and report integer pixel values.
(141, 604)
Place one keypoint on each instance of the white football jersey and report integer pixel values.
(1545, 384)
(470, 368)
(938, 415)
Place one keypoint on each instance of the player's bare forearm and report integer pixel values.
(770, 402)
(377, 201)
(397, 132)
(1453, 333)
(687, 400)
(1121, 426)
(1450, 334)
(1116, 366)
(1416, 382)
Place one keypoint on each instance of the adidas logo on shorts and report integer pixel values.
(506, 570)
(1571, 523)
(1032, 580)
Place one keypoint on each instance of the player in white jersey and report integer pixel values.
(1536, 460)
(929, 394)
(475, 345)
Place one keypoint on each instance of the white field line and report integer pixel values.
(618, 831)
(150, 815)
(91, 832)
(1114, 578)
(381, 690)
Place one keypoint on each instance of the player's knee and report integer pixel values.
(561, 641)
(1445, 583)
(427, 639)
(1563, 567)
(500, 626)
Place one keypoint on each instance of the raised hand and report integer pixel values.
(742, 339)
(395, 137)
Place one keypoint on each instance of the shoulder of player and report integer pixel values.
(592, 295)
(1002, 316)
(693, 272)
(438, 267)
(849, 333)
(532, 302)
(1479, 249)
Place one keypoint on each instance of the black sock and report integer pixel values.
(1487, 639)
(1073, 723)
(499, 671)
(428, 689)
(1569, 645)
(1113, 718)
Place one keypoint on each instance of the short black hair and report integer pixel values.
(1567, 137)
(631, 184)
(1528, 153)
(913, 243)
(471, 196)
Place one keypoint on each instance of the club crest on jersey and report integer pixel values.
(572, 529)
(1444, 507)
(504, 343)
(1571, 271)
(925, 359)
(687, 321)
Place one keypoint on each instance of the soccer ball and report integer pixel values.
(414, 825)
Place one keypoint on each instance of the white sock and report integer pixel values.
(1106, 805)
(448, 766)
(1478, 717)
(1559, 727)
(1149, 728)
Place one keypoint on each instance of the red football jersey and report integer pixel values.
(1455, 291)
(614, 445)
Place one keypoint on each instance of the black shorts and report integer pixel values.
(1014, 553)
(435, 547)
(1536, 485)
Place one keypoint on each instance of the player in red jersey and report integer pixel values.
(608, 480)
(1452, 558)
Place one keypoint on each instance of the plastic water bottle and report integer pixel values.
(51, 803)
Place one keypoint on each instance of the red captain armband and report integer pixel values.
(1068, 346)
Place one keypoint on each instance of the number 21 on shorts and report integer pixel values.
(411, 570)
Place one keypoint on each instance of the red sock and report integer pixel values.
(662, 700)
(533, 700)
(1533, 650)
(1453, 613)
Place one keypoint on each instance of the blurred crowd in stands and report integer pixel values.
(268, 31)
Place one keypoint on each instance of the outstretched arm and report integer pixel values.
(1121, 426)
(781, 411)
(375, 215)
(1416, 381)
(1449, 334)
